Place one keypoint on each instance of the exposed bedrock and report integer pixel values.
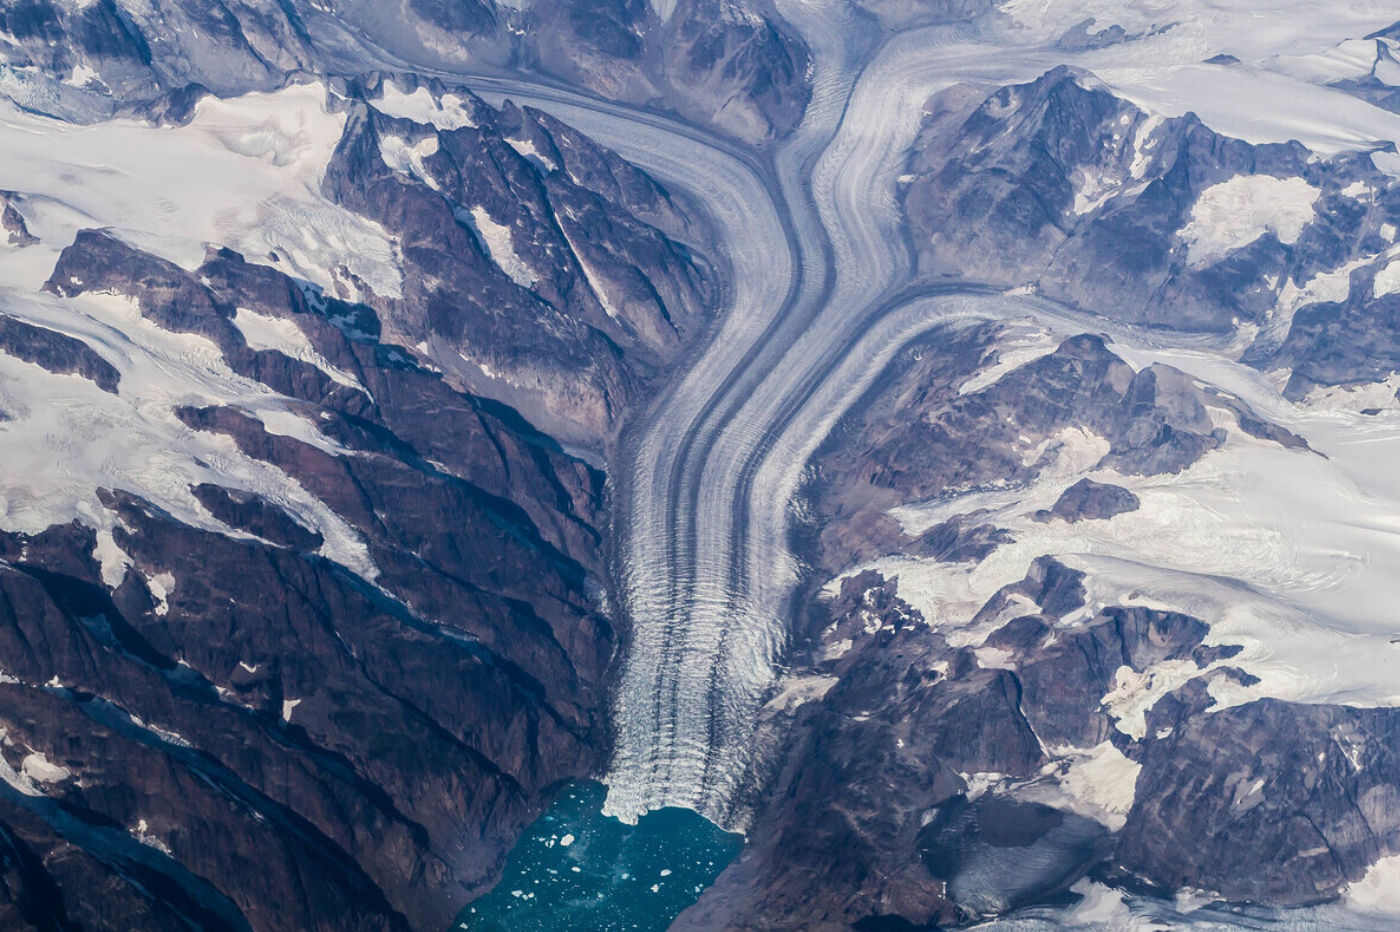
(1313, 788)
(189, 701)
(916, 436)
(538, 267)
(56, 352)
(926, 788)
(1088, 500)
(734, 65)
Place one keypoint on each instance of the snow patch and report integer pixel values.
(142, 833)
(1103, 779)
(1387, 279)
(1379, 890)
(799, 690)
(1358, 189)
(1144, 143)
(1019, 345)
(161, 586)
(16, 781)
(112, 559)
(527, 149)
(995, 658)
(500, 247)
(264, 332)
(1231, 215)
(1135, 693)
(979, 783)
(1332, 286)
(288, 705)
(447, 113)
(83, 76)
(407, 159)
(39, 768)
(1093, 188)
(1100, 907)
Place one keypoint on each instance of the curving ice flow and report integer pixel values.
(815, 306)
(817, 254)
(705, 571)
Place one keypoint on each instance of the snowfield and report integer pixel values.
(1288, 552)
(245, 173)
(1231, 215)
(65, 438)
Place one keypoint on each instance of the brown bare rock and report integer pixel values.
(1088, 500)
(56, 352)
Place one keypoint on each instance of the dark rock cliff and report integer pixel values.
(538, 267)
(240, 706)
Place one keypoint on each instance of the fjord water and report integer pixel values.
(575, 868)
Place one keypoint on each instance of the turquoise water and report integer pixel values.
(576, 869)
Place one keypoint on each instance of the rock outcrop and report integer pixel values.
(1088, 500)
(1063, 186)
(56, 352)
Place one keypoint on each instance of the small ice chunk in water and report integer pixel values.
(566, 841)
(666, 872)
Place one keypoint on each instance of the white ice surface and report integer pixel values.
(66, 438)
(1231, 215)
(526, 148)
(1379, 890)
(1104, 781)
(496, 237)
(245, 173)
(1387, 280)
(39, 768)
(420, 107)
(407, 158)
